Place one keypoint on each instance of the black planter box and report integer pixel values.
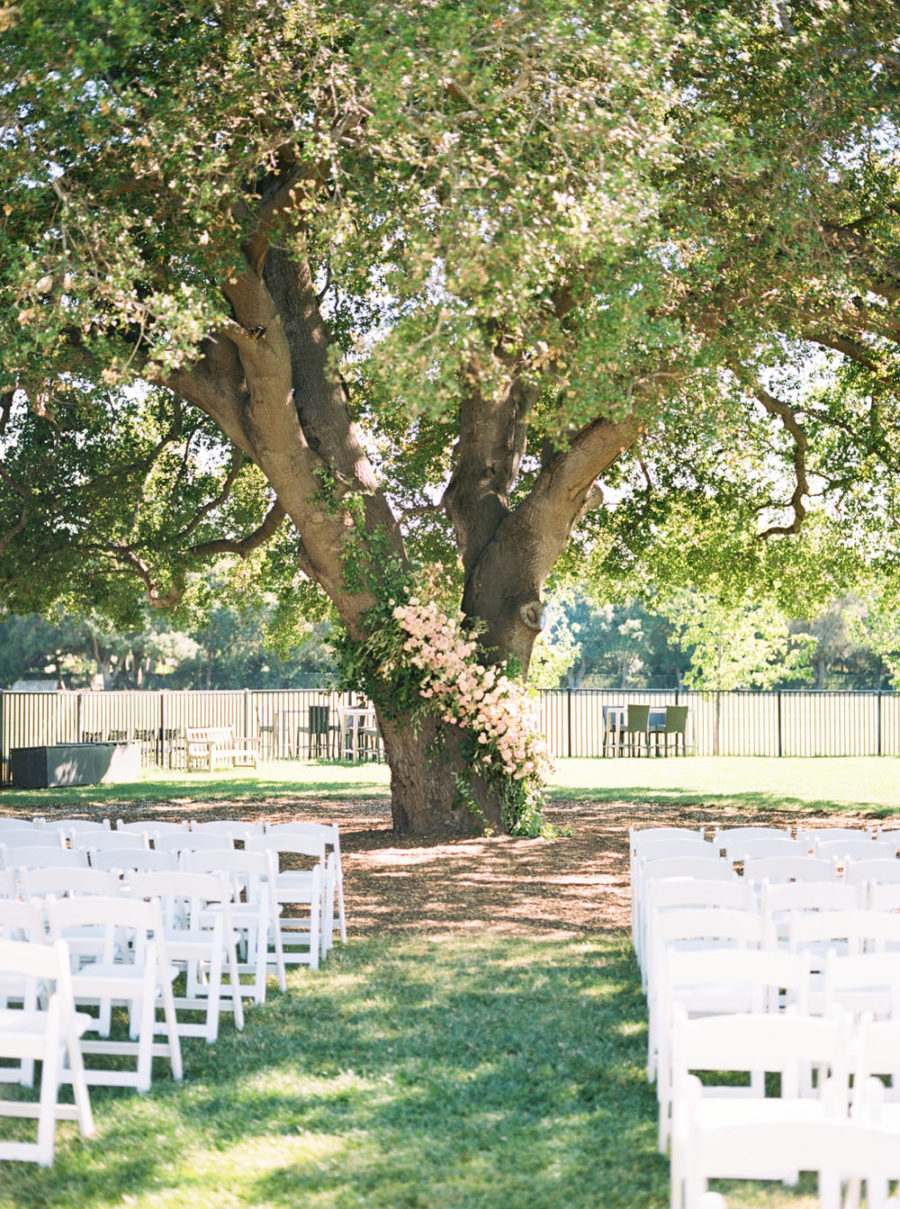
(74, 764)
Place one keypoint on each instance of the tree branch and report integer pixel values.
(11, 532)
(492, 440)
(133, 564)
(422, 510)
(244, 545)
(237, 462)
(788, 418)
(6, 402)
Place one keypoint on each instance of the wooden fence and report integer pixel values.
(797, 723)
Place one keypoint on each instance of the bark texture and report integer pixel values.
(425, 799)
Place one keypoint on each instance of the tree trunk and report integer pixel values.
(425, 797)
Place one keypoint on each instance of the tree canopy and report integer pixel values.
(339, 286)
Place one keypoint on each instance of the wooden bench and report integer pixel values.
(207, 746)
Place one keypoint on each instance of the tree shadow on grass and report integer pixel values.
(479, 1071)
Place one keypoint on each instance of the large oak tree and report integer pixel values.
(338, 285)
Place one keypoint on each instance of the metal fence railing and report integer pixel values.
(794, 723)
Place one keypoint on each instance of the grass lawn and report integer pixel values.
(466, 1070)
(471, 1072)
(870, 784)
(822, 784)
(176, 790)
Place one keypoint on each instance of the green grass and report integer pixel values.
(172, 788)
(822, 784)
(466, 1072)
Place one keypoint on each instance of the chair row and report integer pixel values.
(777, 967)
(831, 1112)
(127, 936)
(657, 853)
(742, 844)
(706, 986)
(768, 904)
(128, 849)
(809, 939)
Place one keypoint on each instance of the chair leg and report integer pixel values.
(46, 1129)
(145, 1035)
(278, 959)
(79, 1085)
(342, 919)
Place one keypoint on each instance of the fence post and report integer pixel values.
(79, 716)
(569, 722)
(247, 731)
(161, 743)
(878, 752)
(779, 722)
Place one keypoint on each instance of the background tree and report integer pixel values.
(744, 645)
(229, 649)
(335, 287)
(876, 626)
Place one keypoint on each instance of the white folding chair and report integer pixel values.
(714, 982)
(877, 1054)
(707, 866)
(689, 929)
(46, 1028)
(817, 835)
(106, 841)
(72, 826)
(882, 896)
(850, 931)
(151, 828)
(854, 850)
(232, 829)
(19, 834)
(640, 838)
(22, 921)
(753, 1046)
(132, 969)
(779, 900)
(58, 882)
(301, 935)
(672, 893)
(103, 842)
(789, 869)
(335, 915)
(17, 840)
(889, 835)
(764, 847)
(862, 983)
(884, 870)
(254, 912)
(18, 859)
(133, 860)
(723, 836)
(200, 938)
(190, 841)
(839, 1151)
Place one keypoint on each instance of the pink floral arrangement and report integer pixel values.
(500, 712)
